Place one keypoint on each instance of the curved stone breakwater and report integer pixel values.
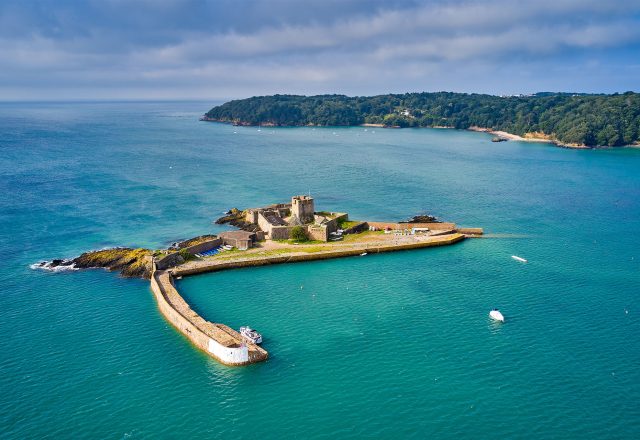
(218, 340)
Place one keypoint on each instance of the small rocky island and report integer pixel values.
(274, 234)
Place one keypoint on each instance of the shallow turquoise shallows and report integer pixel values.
(383, 346)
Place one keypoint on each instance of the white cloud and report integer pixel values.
(418, 45)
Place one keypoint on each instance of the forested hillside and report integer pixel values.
(593, 120)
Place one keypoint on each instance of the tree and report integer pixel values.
(298, 233)
(572, 118)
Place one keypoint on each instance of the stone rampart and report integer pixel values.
(263, 223)
(280, 232)
(320, 233)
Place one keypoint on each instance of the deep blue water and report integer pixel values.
(386, 346)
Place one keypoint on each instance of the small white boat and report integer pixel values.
(496, 315)
(363, 254)
(251, 335)
(520, 259)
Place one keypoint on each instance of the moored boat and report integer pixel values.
(496, 315)
(251, 335)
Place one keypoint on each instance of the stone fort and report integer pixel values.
(277, 221)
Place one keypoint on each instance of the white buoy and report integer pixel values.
(496, 315)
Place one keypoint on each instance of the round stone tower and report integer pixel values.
(302, 208)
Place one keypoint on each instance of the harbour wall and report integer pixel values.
(217, 340)
(322, 255)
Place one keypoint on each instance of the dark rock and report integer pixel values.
(233, 214)
(424, 218)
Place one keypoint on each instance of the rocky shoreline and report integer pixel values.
(236, 217)
(528, 137)
(130, 262)
(500, 136)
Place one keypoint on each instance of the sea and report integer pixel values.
(385, 346)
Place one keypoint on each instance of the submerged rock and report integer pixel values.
(424, 218)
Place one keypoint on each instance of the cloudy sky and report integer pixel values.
(216, 50)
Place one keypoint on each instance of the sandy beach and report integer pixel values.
(528, 137)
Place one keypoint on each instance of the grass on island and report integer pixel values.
(305, 247)
(353, 238)
(348, 224)
(293, 242)
(131, 262)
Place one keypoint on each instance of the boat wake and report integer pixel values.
(55, 266)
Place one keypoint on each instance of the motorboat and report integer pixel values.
(251, 335)
(520, 259)
(496, 315)
(363, 254)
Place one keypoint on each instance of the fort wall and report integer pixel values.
(320, 233)
(280, 232)
(264, 224)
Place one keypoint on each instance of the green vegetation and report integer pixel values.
(298, 234)
(130, 262)
(186, 255)
(359, 236)
(346, 224)
(605, 120)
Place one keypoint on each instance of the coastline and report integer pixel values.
(528, 137)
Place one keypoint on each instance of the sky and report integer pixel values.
(229, 49)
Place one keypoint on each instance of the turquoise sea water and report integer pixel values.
(384, 346)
